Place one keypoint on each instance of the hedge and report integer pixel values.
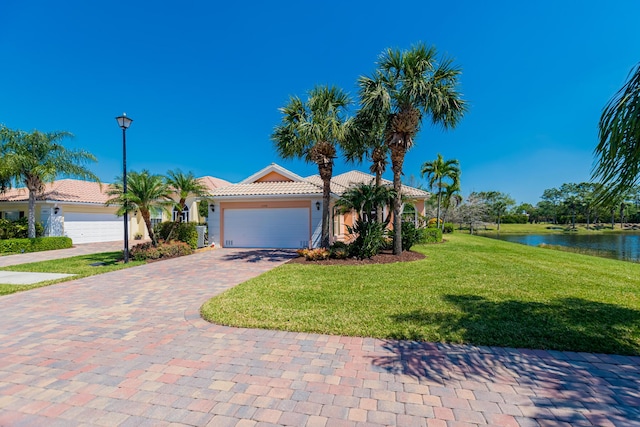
(429, 235)
(35, 245)
(180, 231)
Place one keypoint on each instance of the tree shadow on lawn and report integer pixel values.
(257, 255)
(565, 380)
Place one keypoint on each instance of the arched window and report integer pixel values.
(185, 214)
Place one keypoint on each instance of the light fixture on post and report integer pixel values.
(124, 122)
(318, 206)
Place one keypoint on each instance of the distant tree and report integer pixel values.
(472, 211)
(313, 131)
(408, 86)
(497, 204)
(184, 185)
(553, 198)
(570, 200)
(586, 195)
(145, 192)
(441, 175)
(529, 210)
(37, 158)
(450, 199)
(618, 151)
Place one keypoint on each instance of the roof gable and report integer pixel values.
(273, 173)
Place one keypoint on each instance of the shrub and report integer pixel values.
(18, 229)
(35, 245)
(317, 254)
(370, 240)
(409, 235)
(429, 235)
(339, 250)
(433, 223)
(447, 227)
(165, 250)
(180, 231)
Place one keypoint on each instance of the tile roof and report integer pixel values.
(271, 188)
(63, 190)
(212, 182)
(340, 183)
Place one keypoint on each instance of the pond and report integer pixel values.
(623, 246)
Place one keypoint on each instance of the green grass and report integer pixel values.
(547, 228)
(468, 290)
(79, 265)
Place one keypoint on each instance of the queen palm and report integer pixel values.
(145, 192)
(37, 158)
(365, 199)
(618, 166)
(408, 86)
(442, 174)
(313, 131)
(184, 185)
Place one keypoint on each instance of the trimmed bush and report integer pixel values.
(166, 250)
(447, 227)
(410, 235)
(429, 235)
(18, 229)
(180, 231)
(339, 250)
(317, 254)
(35, 245)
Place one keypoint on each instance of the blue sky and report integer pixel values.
(203, 80)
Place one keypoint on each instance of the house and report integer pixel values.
(76, 209)
(275, 208)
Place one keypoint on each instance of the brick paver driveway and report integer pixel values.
(128, 348)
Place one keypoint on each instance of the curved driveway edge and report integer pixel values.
(128, 348)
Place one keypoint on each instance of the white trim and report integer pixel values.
(272, 168)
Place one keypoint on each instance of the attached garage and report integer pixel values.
(266, 228)
(93, 227)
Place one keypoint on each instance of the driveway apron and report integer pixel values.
(128, 348)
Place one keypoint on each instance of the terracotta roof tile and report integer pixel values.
(212, 182)
(268, 189)
(63, 190)
(340, 183)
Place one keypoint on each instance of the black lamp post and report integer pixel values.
(124, 122)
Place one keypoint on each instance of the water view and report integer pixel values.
(623, 246)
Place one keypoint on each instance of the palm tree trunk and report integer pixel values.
(146, 216)
(31, 220)
(379, 208)
(397, 160)
(439, 201)
(326, 171)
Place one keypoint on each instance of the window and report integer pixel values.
(13, 215)
(337, 222)
(156, 216)
(185, 214)
(409, 214)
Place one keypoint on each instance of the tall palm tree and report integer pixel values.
(37, 158)
(184, 186)
(437, 172)
(451, 198)
(313, 131)
(618, 166)
(408, 86)
(144, 192)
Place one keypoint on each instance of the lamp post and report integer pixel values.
(124, 122)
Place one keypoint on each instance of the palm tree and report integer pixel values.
(313, 130)
(439, 170)
(618, 165)
(408, 86)
(184, 185)
(37, 158)
(144, 192)
(366, 139)
(451, 198)
(364, 199)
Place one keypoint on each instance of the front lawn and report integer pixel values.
(79, 265)
(468, 290)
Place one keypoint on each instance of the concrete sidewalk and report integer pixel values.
(128, 348)
(82, 249)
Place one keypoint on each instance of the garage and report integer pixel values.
(93, 227)
(266, 228)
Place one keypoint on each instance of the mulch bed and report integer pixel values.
(385, 257)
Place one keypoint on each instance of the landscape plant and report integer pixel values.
(442, 175)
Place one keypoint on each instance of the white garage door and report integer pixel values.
(266, 228)
(93, 227)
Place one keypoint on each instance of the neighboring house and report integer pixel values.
(76, 209)
(275, 208)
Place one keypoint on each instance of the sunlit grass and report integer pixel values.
(468, 290)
